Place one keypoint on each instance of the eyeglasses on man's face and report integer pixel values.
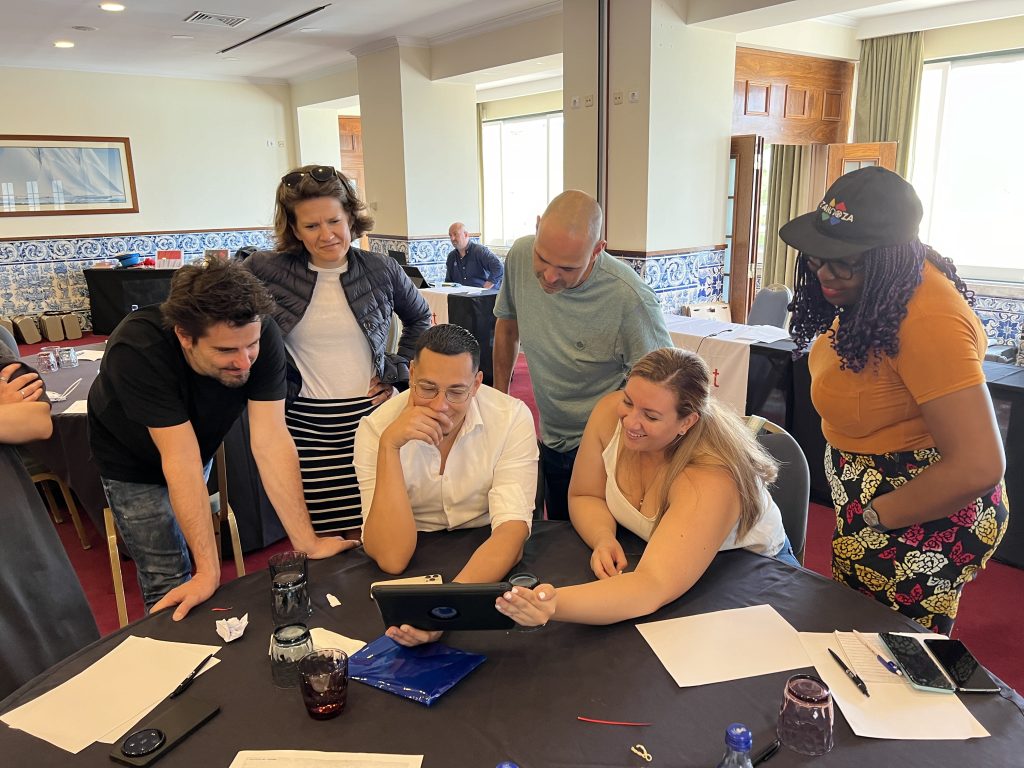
(840, 269)
(320, 173)
(427, 390)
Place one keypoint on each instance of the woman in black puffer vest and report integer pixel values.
(334, 304)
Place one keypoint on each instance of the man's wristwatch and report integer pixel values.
(871, 518)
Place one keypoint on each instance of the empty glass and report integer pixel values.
(67, 357)
(48, 359)
(289, 588)
(288, 645)
(323, 680)
(805, 718)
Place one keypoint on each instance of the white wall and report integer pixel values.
(319, 140)
(809, 38)
(967, 39)
(199, 147)
(336, 84)
(535, 104)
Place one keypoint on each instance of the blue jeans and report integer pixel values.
(786, 554)
(146, 522)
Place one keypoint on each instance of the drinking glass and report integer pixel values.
(289, 587)
(288, 645)
(67, 357)
(805, 717)
(323, 680)
(47, 359)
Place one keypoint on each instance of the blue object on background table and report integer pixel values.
(423, 674)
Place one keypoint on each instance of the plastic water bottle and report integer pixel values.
(738, 741)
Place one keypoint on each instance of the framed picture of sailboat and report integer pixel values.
(61, 175)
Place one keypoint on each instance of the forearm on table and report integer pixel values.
(937, 492)
(389, 528)
(506, 348)
(493, 559)
(24, 422)
(626, 596)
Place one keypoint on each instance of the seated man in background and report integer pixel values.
(43, 613)
(173, 380)
(471, 263)
(447, 454)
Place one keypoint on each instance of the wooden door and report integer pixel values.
(843, 158)
(350, 134)
(745, 157)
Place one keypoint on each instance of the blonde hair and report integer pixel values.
(719, 438)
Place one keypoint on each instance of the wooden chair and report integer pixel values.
(222, 514)
(42, 476)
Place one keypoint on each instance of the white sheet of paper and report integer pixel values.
(117, 689)
(79, 406)
(90, 354)
(725, 645)
(324, 638)
(892, 711)
(293, 758)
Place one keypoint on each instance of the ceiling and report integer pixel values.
(141, 39)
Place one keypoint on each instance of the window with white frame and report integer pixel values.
(967, 163)
(522, 171)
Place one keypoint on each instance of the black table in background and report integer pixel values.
(522, 703)
(113, 293)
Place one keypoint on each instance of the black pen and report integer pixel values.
(184, 684)
(767, 753)
(850, 673)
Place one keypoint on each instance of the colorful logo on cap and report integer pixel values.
(834, 212)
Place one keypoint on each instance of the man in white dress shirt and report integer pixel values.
(447, 454)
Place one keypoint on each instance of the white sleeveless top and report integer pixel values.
(766, 537)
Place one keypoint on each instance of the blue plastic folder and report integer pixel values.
(423, 674)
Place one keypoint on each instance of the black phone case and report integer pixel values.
(964, 667)
(442, 606)
(177, 718)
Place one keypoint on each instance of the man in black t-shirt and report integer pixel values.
(173, 380)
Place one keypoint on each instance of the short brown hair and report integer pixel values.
(308, 188)
(212, 292)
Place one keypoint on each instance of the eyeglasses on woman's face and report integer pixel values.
(427, 390)
(319, 173)
(839, 268)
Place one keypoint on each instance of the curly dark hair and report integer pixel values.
(871, 327)
(360, 220)
(212, 292)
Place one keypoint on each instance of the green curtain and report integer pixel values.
(788, 177)
(888, 91)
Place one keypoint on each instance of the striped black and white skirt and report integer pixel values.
(324, 432)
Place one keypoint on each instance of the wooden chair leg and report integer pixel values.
(51, 502)
(236, 543)
(110, 531)
(69, 502)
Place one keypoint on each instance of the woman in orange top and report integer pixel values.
(914, 457)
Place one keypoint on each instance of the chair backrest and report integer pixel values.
(771, 306)
(538, 499)
(791, 490)
(7, 338)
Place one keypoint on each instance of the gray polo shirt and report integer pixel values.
(580, 343)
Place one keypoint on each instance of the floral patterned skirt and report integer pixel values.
(919, 570)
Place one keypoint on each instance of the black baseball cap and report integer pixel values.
(864, 209)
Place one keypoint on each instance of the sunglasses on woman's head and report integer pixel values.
(320, 173)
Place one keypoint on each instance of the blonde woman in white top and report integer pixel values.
(664, 460)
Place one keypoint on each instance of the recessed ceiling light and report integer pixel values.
(112, 7)
(63, 44)
(85, 29)
(182, 37)
(310, 29)
(231, 58)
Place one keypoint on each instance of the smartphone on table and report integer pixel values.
(917, 664)
(963, 669)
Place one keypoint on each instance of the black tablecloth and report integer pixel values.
(522, 703)
(113, 293)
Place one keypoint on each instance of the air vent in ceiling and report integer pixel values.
(215, 19)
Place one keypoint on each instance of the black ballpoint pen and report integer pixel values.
(184, 684)
(850, 673)
(767, 753)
